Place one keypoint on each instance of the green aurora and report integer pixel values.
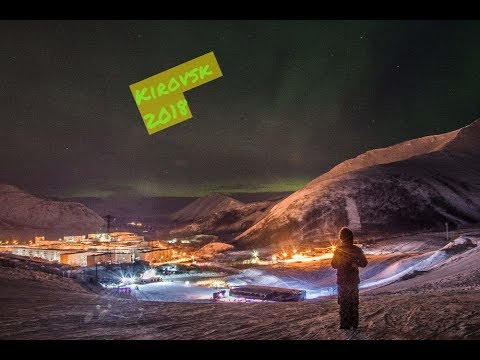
(295, 99)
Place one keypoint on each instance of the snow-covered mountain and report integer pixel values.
(19, 210)
(230, 220)
(206, 206)
(417, 184)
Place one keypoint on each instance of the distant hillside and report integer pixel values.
(231, 220)
(417, 184)
(260, 196)
(20, 210)
(206, 206)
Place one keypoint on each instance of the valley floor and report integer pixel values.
(441, 302)
(44, 306)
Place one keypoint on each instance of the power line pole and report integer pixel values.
(109, 219)
(446, 229)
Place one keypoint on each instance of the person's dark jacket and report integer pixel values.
(346, 259)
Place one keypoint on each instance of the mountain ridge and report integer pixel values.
(205, 206)
(418, 183)
(22, 210)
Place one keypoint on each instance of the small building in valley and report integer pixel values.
(156, 255)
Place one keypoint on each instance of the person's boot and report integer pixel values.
(354, 321)
(344, 325)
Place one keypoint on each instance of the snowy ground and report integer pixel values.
(427, 296)
(317, 278)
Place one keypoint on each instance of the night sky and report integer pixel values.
(295, 99)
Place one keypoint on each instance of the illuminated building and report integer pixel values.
(156, 255)
(75, 238)
(41, 253)
(122, 258)
(126, 237)
(99, 258)
(103, 237)
(75, 258)
(109, 258)
(269, 293)
(40, 241)
(154, 244)
(94, 248)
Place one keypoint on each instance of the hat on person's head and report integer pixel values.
(346, 235)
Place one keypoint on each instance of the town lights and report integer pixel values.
(333, 246)
(212, 283)
(149, 274)
(254, 257)
(127, 280)
(297, 256)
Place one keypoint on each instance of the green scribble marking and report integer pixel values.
(160, 98)
(164, 116)
(139, 96)
(173, 84)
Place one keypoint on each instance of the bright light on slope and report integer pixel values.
(128, 280)
(150, 273)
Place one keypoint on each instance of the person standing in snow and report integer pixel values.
(346, 259)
